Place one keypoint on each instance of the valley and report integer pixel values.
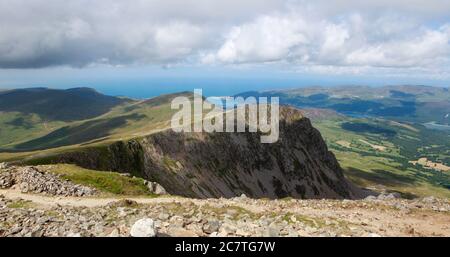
(330, 174)
(385, 162)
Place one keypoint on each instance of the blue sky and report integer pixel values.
(143, 48)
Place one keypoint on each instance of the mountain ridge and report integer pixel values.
(228, 164)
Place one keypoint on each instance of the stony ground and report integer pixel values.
(39, 215)
(33, 180)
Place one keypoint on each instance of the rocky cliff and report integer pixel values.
(206, 165)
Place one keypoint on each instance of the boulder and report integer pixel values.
(390, 196)
(429, 199)
(211, 226)
(7, 179)
(143, 228)
(370, 198)
(3, 165)
(155, 188)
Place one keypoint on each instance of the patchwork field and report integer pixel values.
(381, 154)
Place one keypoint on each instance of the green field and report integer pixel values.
(105, 182)
(372, 158)
(125, 121)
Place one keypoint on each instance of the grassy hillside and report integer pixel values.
(62, 105)
(377, 153)
(128, 120)
(27, 114)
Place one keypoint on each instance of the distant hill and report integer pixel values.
(406, 103)
(20, 132)
(62, 105)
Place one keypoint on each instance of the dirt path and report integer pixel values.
(80, 201)
(52, 201)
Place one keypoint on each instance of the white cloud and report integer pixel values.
(264, 40)
(430, 48)
(316, 36)
(349, 43)
(41, 33)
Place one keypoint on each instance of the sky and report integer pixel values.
(148, 47)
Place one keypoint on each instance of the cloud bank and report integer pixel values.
(395, 36)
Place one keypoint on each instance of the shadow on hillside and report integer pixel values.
(62, 105)
(380, 177)
(72, 135)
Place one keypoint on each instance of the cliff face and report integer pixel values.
(205, 165)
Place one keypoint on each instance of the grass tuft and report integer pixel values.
(108, 182)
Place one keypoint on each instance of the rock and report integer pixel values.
(214, 234)
(372, 235)
(243, 197)
(242, 232)
(227, 229)
(33, 180)
(370, 198)
(7, 179)
(396, 195)
(222, 234)
(429, 199)
(163, 216)
(181, 232)
(71, 234)
(37, 233)
(121, 212)
(3, 165)
(389, 196)
(195, 228)
(16, 229)
(143, 228)
(155, 188)
(124, 203)
(211, 226)
(114, 233)
(176, 221)
(292, 233)
(272, 231)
